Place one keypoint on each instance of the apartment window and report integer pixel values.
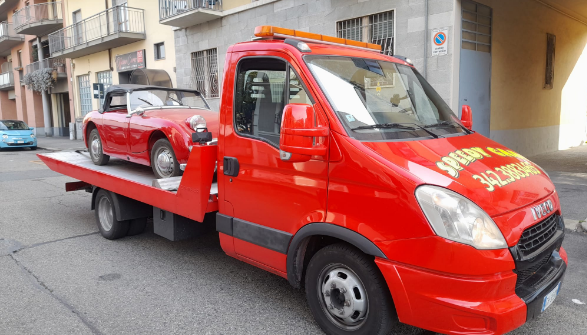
(376, 29)
(160, 51)
(205, 72)
(85, 93)
(104, 77)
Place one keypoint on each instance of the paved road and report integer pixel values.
(59, 276)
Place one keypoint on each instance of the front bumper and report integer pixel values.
(459, 304)
(11, 144)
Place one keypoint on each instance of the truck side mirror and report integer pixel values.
(297, 140)
(467, 117)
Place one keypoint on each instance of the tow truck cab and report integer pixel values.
(466, 232)
(343, 171)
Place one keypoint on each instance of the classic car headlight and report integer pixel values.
(32, 135)
(198, 123)
(4, 136)
(457, 218)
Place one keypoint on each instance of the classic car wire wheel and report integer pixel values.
(164, 163)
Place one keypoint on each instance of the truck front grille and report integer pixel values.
(534, 237)
(527, 273)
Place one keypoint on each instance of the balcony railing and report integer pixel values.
(7, 30)
(36, 14)
(6, 79)
(49, 63)
(115, 20)
(171, 8)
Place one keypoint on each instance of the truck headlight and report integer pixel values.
(458, 219)
(198, 123)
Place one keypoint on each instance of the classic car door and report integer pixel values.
(271, 198)
(115, 124)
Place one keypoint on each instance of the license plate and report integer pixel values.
(549, 298)
(19, 141)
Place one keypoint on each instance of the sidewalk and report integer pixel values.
(59, 143)
(568, 171)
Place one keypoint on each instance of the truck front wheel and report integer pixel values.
(109, 226)
(347, 294)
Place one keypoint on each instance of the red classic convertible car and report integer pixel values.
(148, 125)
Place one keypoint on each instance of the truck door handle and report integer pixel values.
(231, 166)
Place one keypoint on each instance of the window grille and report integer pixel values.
(104, 77)
(476, 26)
(376, 29)
(85, 93)
(204, 76)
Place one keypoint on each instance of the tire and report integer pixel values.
(34, 148)
(105, 212)
(354, 286)
(95, 148)
(163, 160)
(137, 226)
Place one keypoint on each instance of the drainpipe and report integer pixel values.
(425, 39)
(46, 107)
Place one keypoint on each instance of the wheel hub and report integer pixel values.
(105, 213)
(165, 162)
(344, 297)
(95, 146)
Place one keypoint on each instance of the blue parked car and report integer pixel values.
(16, 134)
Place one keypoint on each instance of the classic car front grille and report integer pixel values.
(534, 237)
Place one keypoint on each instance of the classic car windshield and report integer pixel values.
(159, 98)
(379, 100)
(13, 125)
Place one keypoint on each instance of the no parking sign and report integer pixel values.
(440, 42)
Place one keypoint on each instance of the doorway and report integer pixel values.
(475, 67)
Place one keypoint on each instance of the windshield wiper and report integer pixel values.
(446, 123)
(145, 101)
(397, 126)
(179, 102)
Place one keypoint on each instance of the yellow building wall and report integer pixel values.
(155, 33)
(524, 115)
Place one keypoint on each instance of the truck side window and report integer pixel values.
(297, 92)
(259, 98)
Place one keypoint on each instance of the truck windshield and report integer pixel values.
(170, 98)
(379, 100)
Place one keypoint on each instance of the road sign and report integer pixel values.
(98, 89)
(440, 42)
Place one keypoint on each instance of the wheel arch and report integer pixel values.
(89, 127)
(124, 208)
(315, 236)
(155, 135)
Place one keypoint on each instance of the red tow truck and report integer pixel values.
(343, 171)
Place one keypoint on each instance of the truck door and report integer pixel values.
(271, 199)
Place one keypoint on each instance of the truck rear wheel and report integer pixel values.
(109, 226)
(347, 294)
(95, 147)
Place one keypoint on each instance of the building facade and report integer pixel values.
(112, 42)
(24, 52)
(519, 64)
